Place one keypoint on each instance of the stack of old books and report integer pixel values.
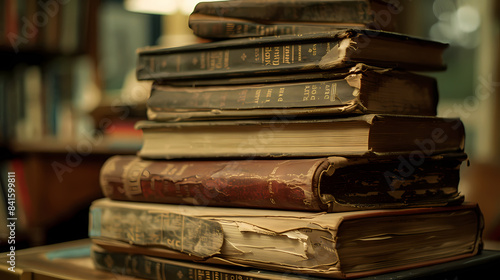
(306, 153)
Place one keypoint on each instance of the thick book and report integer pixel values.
(281, 137)
(342, 245)
(321, 184)
(154, 268)
(481, 266)
(359, 90)
(216, 28)
(301, 53)
(331, 11)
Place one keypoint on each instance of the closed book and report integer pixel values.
(300, 53)
(333, 11)
(359, 90)
(215, 27)
(238, 19)
(341, 245)
(481, 266)
(154, 268)
(319, 184)
(281, 137)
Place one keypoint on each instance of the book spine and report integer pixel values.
(271, 184)
(301, 11)
(292, 95)
(154, 268)
(212, 29)
(186, 234)
(259, 59)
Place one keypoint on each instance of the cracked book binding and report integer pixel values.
(342, 245)
(319, 184)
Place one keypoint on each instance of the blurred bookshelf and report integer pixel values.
(62, 111)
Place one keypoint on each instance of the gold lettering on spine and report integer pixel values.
(330, 92)
(257, 96)
(276, 56)
(286, 54)
(307, 91)
(280, 94)
(313, 92)
(267, 55)
(216, 60)
(269, 95)
(314, 49)
(229, 28)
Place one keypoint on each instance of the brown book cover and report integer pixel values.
(333, 11)
(320, 184)
(338, 245)
(238, 19)
(359, 90)
(287, 137)
(481, 266)
(214, 27)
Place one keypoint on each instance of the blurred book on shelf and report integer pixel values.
(235, 19)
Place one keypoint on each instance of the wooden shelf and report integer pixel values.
(84, 146)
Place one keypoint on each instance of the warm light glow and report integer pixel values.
(162, 7)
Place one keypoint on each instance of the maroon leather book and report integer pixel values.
(318, 184)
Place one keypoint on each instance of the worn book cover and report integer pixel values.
(284, 137)
(320, 184)
(216, 28)
(331, 11)
(341, 245)
(359, 90)
(238, 19)
(481, 266)
(271, 55)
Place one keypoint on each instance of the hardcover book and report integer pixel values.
(320, 184)
(341, 245)
(281, 137)
(271, 55)
(238, 19)
(359, 90)
(331, 11)
(147, 267)
(481, 266)
(214, 27)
